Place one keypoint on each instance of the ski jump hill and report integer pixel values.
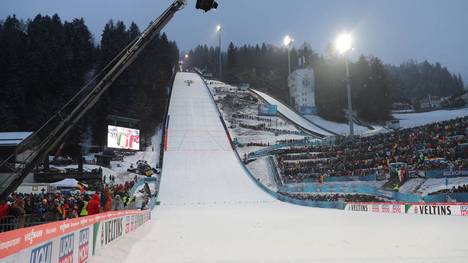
(295, 117)
(211, 211)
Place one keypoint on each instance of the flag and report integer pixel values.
(82, 187)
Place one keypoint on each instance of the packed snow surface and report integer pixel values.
(211, 211)
(293, 116)
(408, 120)
(340, 128)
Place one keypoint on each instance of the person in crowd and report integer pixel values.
(57, 209)
(84, 208)
(17, 210)
(94, 205)
(4, 209)
(118, 204)
(108, 200)
(42, 210)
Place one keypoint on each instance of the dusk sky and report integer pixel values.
(393, 30)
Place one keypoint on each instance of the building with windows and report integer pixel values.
(301, 84)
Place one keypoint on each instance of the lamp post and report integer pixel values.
(218, 29)
(287, 41)
(343, 46)
(185, 61)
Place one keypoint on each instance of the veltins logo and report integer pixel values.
(407, 208)
(83, 246)
(42, 254)
(111, 230)
(66, 249)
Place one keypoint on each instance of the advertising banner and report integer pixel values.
(123, 138)
(267, 110)
(457, 173)
(109, 230)
(444, 209)
(66, 241)
(307, 110)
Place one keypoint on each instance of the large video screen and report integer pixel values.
(123, 138)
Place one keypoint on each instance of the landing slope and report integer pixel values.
(211, 212)
(199, 165)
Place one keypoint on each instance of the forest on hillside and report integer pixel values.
(45, 61)
(375, 86)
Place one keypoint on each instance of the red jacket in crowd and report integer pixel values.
(4, 209)
(94, 205)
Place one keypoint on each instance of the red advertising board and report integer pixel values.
(13, 241)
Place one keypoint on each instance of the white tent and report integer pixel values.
(69, 182)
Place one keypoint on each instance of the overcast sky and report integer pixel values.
(394, 30)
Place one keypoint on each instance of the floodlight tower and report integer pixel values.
(218, 29)
(343, 45)
(287, 42)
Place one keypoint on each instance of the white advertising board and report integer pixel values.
(445, 209)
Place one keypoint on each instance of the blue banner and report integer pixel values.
(307, 110)
(267, 110)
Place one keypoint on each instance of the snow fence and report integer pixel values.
(73, 240)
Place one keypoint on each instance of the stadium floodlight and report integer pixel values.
(206, 5)
(287, 41)
(343, 43)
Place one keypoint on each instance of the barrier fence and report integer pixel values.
(372, 190)
(73, 240)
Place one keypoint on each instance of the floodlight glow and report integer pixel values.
(186, 56)
(287, 40)
(343, 43)
(218, 28)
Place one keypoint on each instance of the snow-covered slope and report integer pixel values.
(340, 128)
(293, 116)
(199, 153)
(211, 212)
(408, 120)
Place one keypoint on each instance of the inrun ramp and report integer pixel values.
(211, 211)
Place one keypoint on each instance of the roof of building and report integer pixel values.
(12, 138)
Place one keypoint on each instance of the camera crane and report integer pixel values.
(36, 147)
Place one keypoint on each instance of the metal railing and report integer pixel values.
(8, 223)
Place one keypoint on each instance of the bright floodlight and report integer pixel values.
(186, 56)
(287, 40)
(218, 28)
(343, 43)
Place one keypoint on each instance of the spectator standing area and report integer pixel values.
(212, 211)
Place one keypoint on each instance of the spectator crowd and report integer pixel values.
(21, 209)
(442, 145)
(333, 197)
